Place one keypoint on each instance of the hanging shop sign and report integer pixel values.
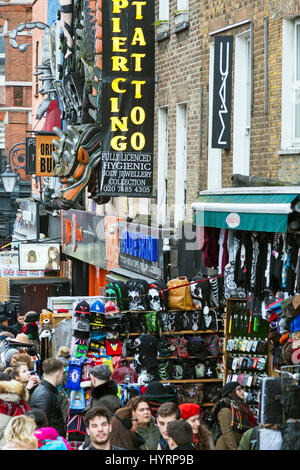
(83, 237)
(140, 249)
(222, 92)
(127, 98)
(44, 148)
(30, 155)
(39, 256)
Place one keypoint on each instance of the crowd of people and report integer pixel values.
(33, 411)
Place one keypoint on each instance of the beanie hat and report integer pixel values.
(228, 388)
(82, 307)
(97, 307)
(295, 324)
(189, 409)
(3, 318)
(9, 354)
(101, 372)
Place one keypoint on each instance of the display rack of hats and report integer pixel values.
(173, 335)
(247, 355)
(145, 334)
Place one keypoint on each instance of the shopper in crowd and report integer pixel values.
(45, 433)
(9, 354)
(19, 326)
(19, 434)
(202, 437)
(233, 417)
(166, 413)
(63, 355)
(124, 427)
(4, 323)
(20, 372)
(104, 390)
(13, 400)
(98, 428)
(180, 435)
(45, 396)
(22, 357)
(147, 428)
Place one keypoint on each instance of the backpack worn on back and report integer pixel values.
(58, 444)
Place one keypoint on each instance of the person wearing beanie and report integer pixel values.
(232, 417)
(202, 437)
(104, 392)
(8, 356)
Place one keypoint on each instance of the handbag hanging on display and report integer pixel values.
(179, 294)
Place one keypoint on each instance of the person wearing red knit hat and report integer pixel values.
(190, 412)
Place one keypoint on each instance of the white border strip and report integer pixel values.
(242, 208)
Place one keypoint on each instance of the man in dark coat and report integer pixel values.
(104, 390)
(46, 397)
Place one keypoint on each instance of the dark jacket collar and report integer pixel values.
(108, 388)
(49, 386)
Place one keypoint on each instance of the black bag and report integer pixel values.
(137, 294)
(290, 400)
(216, 431)
(197, 347)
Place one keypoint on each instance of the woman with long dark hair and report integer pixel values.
(123, 432)
(232, 417)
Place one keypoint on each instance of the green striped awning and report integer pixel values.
(264, 211)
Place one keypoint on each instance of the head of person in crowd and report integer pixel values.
(180, 434)
(9, 355)
(22, 357)
(21, 373)
(21, 318)
(234, 391)
(39, 417)
(190, 412)
(141, 411)
(98, 427)
(19, 434)
(63, 354)
(166, 413)
(123, 426)
(100, 375)
(3, 321)
(4, 377)
(53, 371)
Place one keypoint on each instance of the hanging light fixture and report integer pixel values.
(9, 179)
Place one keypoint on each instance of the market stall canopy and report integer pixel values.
(264, 209)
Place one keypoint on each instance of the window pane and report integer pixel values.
(298, 52)
(164, 10)
(2, 45)
(2, 66)
(297, 115)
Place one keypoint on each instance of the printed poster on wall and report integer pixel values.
(222, 92)
(127, 98)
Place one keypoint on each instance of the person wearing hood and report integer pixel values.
(233, 417)
(146, 428)
(13, 401)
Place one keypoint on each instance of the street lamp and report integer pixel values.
(9, 179)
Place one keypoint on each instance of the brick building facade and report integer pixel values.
(264, 107)
(16, 97)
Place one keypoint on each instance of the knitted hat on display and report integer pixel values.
(83, 308)
(228, 388)
(189, 409)
(97, 307)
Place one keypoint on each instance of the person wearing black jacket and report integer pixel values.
(46, 397)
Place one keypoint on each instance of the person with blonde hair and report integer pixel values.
(19, 434)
